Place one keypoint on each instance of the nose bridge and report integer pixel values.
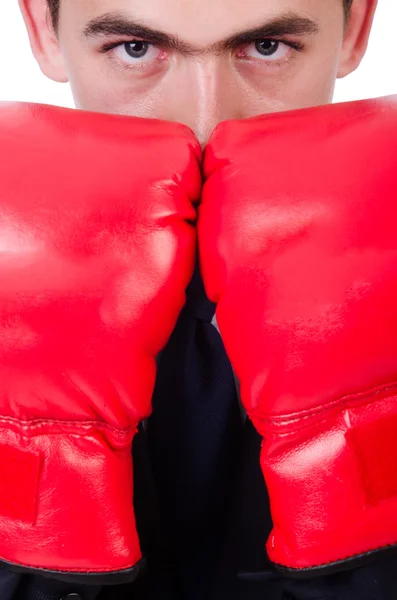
(205, 95)
(208, 101)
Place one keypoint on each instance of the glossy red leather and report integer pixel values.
(97, 246)
(298, 243)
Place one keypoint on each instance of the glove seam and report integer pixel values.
(350, 557)
(358, 399)
(35, 426)
(77, 570)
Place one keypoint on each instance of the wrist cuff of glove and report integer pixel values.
(66, 502)
(332, 481)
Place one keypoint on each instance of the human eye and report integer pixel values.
(134, 53)
(269, 50)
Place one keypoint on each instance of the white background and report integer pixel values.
(21, 78)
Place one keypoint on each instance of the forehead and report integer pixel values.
(201, 21)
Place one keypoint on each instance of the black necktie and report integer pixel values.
(193, 442)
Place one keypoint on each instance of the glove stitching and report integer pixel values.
(35, 426)
(350, 557)
(298, 416)
(79, 570)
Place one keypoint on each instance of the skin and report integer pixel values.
(199, 61)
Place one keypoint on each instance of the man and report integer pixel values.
(198, 63)
(201, 63)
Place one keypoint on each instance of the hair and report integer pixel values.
(53, 7)
(346, 3)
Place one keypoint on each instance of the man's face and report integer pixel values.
(201, 61)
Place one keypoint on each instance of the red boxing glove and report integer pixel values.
(97, 245)
(298, 242)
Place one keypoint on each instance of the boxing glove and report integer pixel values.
(298, 245)
(97, 247)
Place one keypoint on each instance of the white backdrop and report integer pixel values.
(21, 79)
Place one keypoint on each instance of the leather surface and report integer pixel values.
(297, 231)
(97, 246)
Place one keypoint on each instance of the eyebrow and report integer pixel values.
(116, 24)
